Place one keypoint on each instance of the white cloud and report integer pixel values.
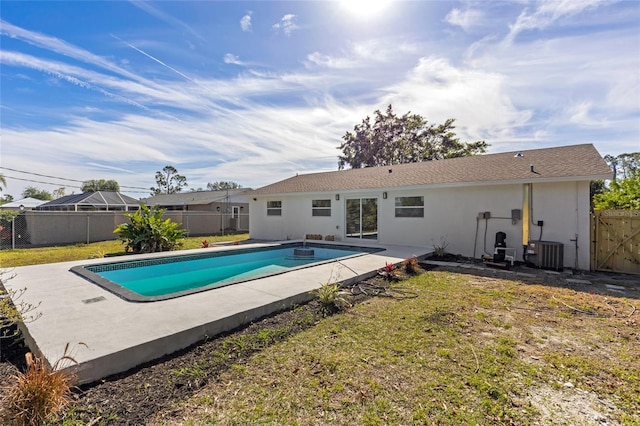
(553, 76)
(477, 99)
(319, 59)
(61, 71)
(61, 47)
(269, 148)
(388, 52)
(532, 93)
(579, 114)
(245, 22)
(165, 17)
(230, 58)
(287, 24)
(549, 12)
(466, 19)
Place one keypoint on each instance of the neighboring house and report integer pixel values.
(23, 204)
(540, 194)
(232, 205)
(92, 201)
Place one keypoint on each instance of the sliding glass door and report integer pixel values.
(362, 218)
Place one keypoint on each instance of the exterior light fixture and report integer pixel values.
(384, 195)
(337, 197)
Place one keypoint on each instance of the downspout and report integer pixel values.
(526, 217)
(577, 265)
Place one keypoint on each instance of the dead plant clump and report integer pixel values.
(36, 395)
(411, 265)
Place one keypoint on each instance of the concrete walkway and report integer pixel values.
(109, 335)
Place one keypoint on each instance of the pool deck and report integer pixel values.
(108, 335)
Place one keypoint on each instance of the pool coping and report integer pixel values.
(108, 335)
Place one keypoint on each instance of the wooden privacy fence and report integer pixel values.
(616, 241)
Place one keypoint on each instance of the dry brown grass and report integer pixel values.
(36, 395)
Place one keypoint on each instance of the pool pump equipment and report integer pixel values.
(501, 243)
(502, 257)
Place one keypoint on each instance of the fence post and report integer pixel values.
(13, 233)
(88, 228)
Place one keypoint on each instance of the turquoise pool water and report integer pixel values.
(168, 277)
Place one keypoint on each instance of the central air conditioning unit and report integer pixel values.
(546, 254)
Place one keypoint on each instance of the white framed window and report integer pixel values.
(409, 206)
(274, 208)
(321, 207)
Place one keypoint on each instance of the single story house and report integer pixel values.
(92, 201)
(232, 205)
(461, 203)
(23, 204)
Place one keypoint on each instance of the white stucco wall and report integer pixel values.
(450, 214)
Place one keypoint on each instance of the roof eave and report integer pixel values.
(586, 178)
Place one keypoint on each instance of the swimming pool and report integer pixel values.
(168, 277)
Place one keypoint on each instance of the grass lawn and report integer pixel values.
(39, 255)
(467, 350)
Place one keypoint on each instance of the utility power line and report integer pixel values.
(37, 181)
(70, 186)
(58, 178)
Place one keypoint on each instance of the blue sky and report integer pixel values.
(255, 92)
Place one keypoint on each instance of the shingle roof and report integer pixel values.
(576, 162)
(191, 198)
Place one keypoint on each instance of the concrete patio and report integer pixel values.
(108, 335)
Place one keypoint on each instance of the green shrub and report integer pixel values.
(330, 299)
(147, 232)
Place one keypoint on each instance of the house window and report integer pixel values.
(321, 208)
(274, 208)
(409, 206)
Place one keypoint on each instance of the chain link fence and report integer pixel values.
(13, 230)
(41, 228)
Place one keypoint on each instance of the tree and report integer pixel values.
(59, 193)
(613, 163)
(6, 199)
(222, 185)
(393, 139)
(624, 165)
(621, 195)
(3, 182)
(169, 181)
(629, 164)
(94, 185)
(39, 194)
(596, 187)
